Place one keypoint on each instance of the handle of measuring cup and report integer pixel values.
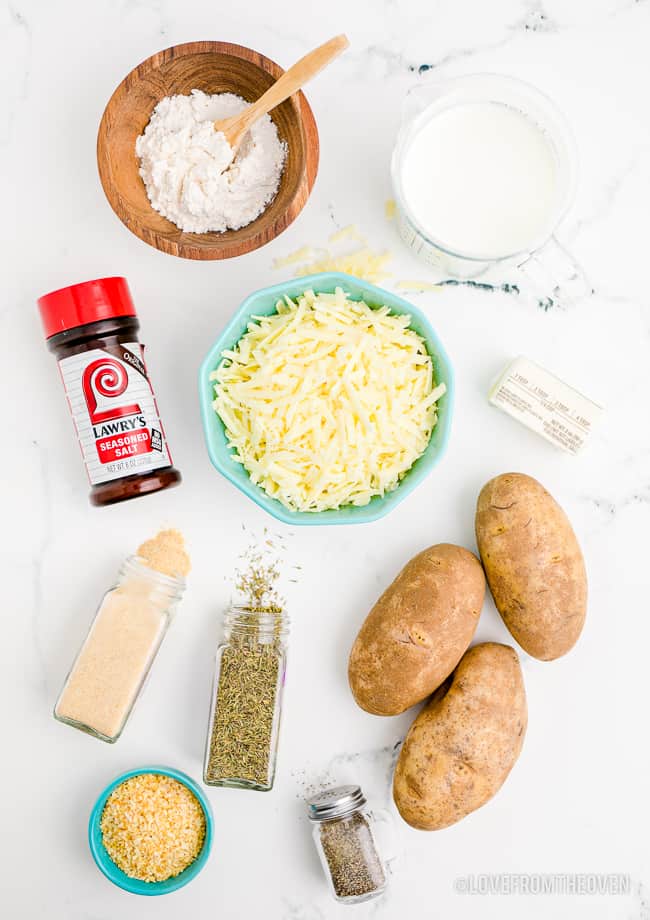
(555, 276)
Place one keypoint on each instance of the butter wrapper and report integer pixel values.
(545, 404)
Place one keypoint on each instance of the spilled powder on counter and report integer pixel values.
(166, 554)
(374, 765)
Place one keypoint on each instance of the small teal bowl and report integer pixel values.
(106, 865)
(262, 303)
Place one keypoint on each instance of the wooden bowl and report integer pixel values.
(214, 67)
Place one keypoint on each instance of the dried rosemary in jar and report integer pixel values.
(243, 730)
(343, 833)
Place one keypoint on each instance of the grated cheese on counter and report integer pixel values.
(346, 233)
(327, 402)
(412, 285)
(362, 261)
(300, 255)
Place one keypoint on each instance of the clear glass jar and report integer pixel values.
(544, 265)
(345, 833)
(114, 661)
(244, 724)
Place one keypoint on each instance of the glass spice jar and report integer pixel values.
(114, 661)
(243, 728)
(344, 831)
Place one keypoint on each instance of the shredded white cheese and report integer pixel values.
(299, 255)
(361, 261)
(327, 402)
(412, 285)
(346, 233)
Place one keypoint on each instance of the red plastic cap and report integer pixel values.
(88, 302)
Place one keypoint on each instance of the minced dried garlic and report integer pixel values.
(152, 827)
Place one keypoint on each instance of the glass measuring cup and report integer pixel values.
(547, 268)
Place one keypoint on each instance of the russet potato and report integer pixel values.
(533, 564)
(416, 633)
(463, 744)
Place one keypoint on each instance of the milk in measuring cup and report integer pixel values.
(480, 179)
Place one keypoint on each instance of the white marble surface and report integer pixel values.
(577, 800)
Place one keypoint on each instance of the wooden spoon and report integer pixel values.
(289, 83)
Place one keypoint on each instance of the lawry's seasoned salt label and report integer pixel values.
(92, 328)
(115, 413)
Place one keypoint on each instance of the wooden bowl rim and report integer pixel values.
(227, 249)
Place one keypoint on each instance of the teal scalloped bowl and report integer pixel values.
(262, 303)
(106, 865)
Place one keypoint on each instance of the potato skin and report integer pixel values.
(463, 744)
(416, 633)
(533, 564)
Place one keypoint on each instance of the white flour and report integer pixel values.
(188, 169)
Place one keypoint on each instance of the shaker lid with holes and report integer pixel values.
(335, 803)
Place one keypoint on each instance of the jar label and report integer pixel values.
(115, 412)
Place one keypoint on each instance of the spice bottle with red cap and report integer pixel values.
(92, 329)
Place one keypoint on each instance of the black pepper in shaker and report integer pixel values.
(344, 837)
(92, 329)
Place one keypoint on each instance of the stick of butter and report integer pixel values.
(545, 404)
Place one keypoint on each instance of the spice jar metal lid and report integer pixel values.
(335, 803)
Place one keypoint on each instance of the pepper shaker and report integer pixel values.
(345, 834)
